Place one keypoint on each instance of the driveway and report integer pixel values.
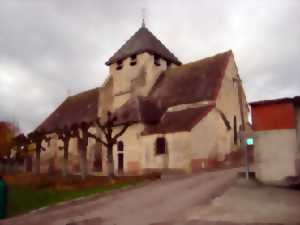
(160, 202)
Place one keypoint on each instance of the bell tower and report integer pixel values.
(135, 67)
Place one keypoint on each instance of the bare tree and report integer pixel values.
(110, 139)
(65, 135)
(37, 138)
(82, 134)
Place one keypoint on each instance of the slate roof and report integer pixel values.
(193, 82)
(75, 109)
(143, 41)
(178, 121)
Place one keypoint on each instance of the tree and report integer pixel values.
(37, 137)
(110, 139)
(82, 134)
(21, 145)
(7, 135)
(65, 135)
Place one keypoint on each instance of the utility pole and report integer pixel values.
(242, 133)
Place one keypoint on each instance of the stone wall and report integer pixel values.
(135, 80)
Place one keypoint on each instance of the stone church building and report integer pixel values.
(184, 116)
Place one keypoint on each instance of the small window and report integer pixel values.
(120, 146)
(156, 60)
(133, 59)
(235, 136)
(161, 146)
(119, 64)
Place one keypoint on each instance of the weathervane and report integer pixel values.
(143, 17)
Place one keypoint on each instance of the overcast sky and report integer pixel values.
(49, 49)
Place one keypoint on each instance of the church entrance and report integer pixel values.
(120, 162)
(120, 148)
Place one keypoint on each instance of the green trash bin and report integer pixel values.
(3, 198)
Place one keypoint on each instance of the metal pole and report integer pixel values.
(243, 143)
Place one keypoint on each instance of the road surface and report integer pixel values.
(160, 202)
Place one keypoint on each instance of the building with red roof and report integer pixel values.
(276, 125)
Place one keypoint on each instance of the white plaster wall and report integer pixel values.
(297, 162)
(210, 138)
(275, 154)
(178, 151)
(133, 148)
(228, 98)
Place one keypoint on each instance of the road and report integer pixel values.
(159, 202)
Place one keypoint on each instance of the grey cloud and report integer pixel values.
(50, 47)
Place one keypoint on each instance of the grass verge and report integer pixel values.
(22, 199)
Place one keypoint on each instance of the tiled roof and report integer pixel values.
(190, 83)
(143, 41)
(138, 109)
(75, 109)
(178, 121)
(193, 82)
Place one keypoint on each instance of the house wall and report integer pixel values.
(177, 156)
(228, 98)
(210, 142)
(297, 161)
(273, 116)
(275, 152)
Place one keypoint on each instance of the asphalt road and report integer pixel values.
(160, 202)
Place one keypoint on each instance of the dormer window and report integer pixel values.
(119, 65)
(156, 60)
(133, 59)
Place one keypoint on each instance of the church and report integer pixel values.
(184, 116)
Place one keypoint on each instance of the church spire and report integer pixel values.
(143, 17)
(143, 23)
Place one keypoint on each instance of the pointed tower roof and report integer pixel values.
(143, 41)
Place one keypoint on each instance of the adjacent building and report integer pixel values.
(276, 125)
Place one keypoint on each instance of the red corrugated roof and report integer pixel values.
(294, 100)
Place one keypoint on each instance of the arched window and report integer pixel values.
(120, 146)
(161, 146)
